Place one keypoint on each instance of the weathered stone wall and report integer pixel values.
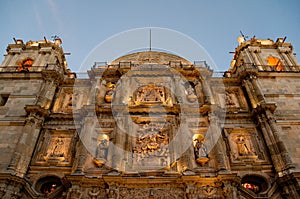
(9, 137)
(285, 92)
(21, 93)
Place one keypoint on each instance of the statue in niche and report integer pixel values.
(243, 147)
(200, 150)
(101, 150)
(110, 87)
(190, 94)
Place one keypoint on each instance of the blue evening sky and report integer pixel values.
(214, 24)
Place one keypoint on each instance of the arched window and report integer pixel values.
(26, 65)
(275, 63)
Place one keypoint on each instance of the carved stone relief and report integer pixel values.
(150, 94)
(96, 193)
(74, 193)
(67, 101)
(233, 99)
(151, 146)
(149, 193)
(244, 145)
(64, 102)
(55, 148)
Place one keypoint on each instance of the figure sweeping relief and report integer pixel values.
(243, 148)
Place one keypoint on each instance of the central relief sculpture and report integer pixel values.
(151, 145)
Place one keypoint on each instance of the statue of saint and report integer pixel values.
(102, 148)
(200, 149)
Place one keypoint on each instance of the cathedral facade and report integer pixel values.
(150, 125)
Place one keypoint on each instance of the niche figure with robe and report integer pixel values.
(101, 150)
(200, 150)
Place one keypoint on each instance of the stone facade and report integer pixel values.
(150, 125)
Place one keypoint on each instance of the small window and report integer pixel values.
(254, 183)
(3, 99)
(48, 185)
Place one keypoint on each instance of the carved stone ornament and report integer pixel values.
(231, 100)
(74, 193)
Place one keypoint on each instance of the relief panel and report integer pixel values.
(67, 101)
(63, 102)
(245, 145)
(233, 100)
(55, 148)
(151, 146)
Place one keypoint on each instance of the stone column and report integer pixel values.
(281, 146)
(47, 93)
(86, 145)
(249, 90)
(257, 89)
(230, 189)
(215, 134)
(277, 149)
(207, 92)
(26, 144)
(271, 143)
(13, 191)
(199, 92)
(253, 51)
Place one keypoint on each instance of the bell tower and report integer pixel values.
(29, 77)
(269, 74)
